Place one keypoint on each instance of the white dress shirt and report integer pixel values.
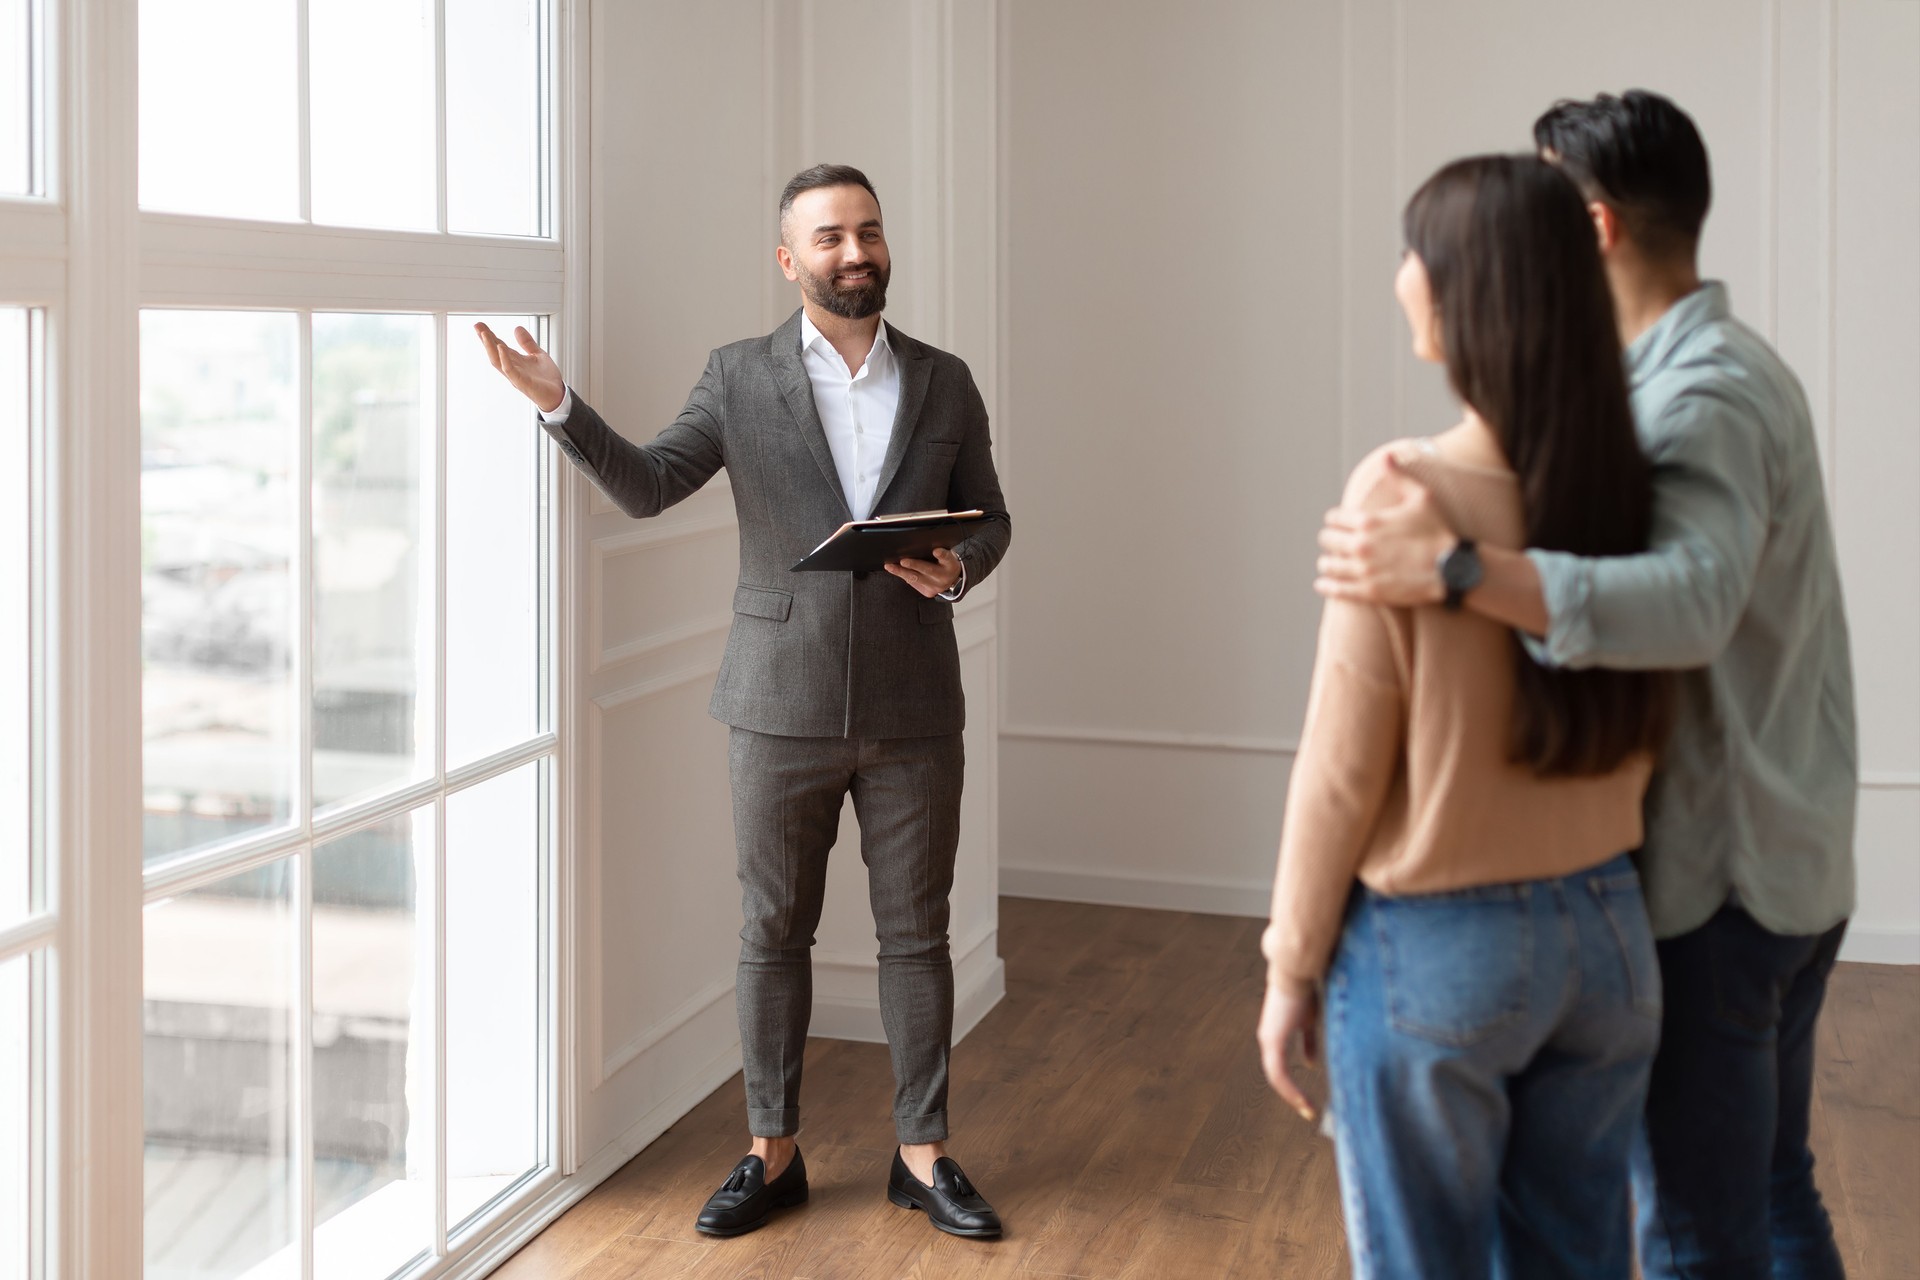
(856, 411)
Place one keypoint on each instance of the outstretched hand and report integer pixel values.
(531, 370)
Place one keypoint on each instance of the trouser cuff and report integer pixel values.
(779, 1122)
(928, 1128)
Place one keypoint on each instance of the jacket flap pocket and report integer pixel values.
(936, 611)
(763, 602)
(945, 448)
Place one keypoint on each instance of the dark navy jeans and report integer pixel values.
(1488, 1052)
(1723, 1175)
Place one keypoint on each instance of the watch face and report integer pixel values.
(1460, 569)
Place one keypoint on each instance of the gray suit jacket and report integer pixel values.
(817, 654)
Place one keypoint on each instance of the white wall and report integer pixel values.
(1201, 226)
(700, 112)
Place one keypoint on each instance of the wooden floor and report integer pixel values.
(1112, 1109)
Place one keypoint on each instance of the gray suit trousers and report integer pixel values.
(786, 812)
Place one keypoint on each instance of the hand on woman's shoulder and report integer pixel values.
(1376, 483)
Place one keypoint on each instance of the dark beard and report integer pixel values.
(869, 299)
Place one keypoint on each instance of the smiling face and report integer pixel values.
(1415, 292)
(833, 246)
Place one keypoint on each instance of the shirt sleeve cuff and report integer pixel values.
(954, 592)
(1566, 583)
(559, 415)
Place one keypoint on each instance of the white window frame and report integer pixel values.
(85, 257)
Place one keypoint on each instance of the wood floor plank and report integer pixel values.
(1868, 1090)
(1111, 1107)
(1104, 1212)
(629, 1257)
(1194, 1231)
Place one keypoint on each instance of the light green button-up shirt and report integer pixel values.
(1754, 796)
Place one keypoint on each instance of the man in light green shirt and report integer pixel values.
(1748, 861)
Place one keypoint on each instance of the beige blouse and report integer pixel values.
(1402, 777)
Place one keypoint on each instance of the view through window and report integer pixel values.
(348, 755)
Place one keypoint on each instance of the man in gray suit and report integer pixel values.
(832, 683)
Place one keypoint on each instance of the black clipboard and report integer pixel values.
(865, 546)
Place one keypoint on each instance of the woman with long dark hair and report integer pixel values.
(1453, 869)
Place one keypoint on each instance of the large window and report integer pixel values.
(337, 1011)
(341, 544)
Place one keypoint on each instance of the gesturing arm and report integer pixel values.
(642, 480)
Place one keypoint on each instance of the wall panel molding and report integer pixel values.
(695, 1005)
(846, 999)
(1156, 739)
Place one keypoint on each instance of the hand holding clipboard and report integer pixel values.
(867, 546)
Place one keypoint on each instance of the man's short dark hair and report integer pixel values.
(1639, 154)
(821, 175)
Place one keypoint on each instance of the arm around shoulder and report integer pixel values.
(1675, 605)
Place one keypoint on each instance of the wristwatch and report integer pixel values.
(1460, 572)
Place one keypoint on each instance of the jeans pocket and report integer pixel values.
(1625, 909)
(1456, 966)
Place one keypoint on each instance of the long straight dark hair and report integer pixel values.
(1527, 325)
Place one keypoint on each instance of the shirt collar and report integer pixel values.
(810, 336)
(1656, 346)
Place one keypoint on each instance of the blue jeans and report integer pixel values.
(1488, 1051)
(1723, 1177)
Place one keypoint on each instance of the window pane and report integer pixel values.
(373, 424)
(493, 521)
(371, 65)
(16, 105)
(219, 108)
(219, 1024)
(373, 1075)
(494, 1104)
(494, 117)
(16, 611)
(219, 431)
(20, 1029)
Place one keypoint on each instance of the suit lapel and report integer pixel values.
(916, 371)
(783, 352)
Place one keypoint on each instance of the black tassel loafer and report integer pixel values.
(746, 1199)
(951, 1203)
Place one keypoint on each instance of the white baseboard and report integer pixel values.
(1206, 895)
(846, 993)
(1881, 946)
(509, 1236)
(1222, 897)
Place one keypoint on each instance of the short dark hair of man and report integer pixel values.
(821, 175)
(1642, 156)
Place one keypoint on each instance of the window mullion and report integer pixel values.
(303, 550)
(439, 960)
(304, 1159)
(440, 1224)
(303, 860)
(304, 107)
(440, 114)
